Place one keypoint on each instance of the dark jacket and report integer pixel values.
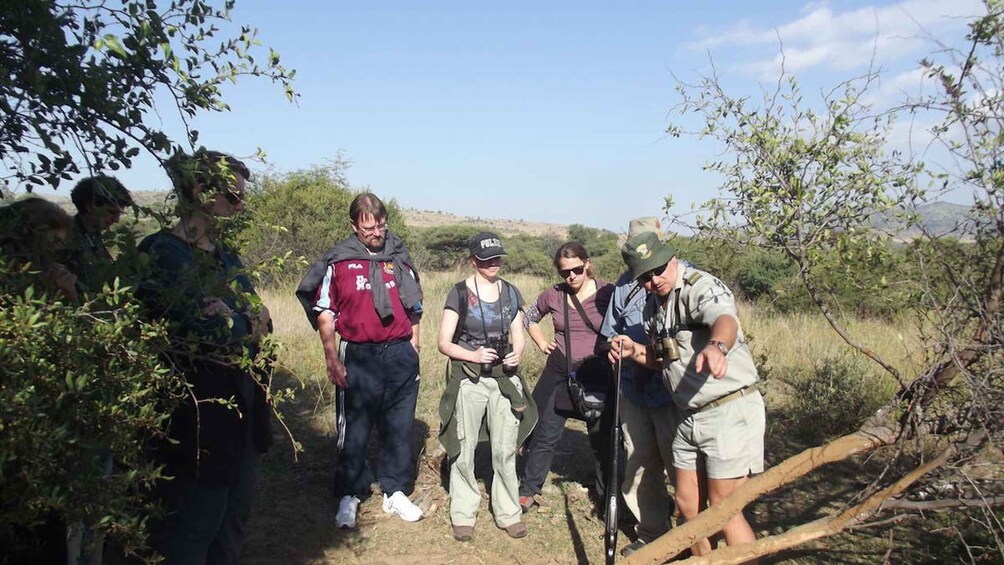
(209, 438)
(456, 372)
(350, 248)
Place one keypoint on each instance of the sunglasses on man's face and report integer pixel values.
(565, 273)
(233, 197)
(647, 275)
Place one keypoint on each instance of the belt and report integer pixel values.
(374, 344)
(748, 389)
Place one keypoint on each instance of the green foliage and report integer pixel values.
(301, 214)
(88, 76)
(78, 384)
(443, 248)
(833, 397)
(762, 273)
(532, 255)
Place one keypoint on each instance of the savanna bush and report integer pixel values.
(301, 214)
(832, 397)
(443, 248)
(80, 385)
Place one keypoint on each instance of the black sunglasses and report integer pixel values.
(233, 197)
(647, 275)
(577, 270)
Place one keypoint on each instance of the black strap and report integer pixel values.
(582, 312)
(462, 311)
(568, 341)
(634, 292)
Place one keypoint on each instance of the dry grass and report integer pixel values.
(293, 519)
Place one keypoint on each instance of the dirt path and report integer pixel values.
(294, 513)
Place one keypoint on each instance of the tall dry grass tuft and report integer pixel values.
(792, 340)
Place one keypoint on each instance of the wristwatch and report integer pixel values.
(720, 345)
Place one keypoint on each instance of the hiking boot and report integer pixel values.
(517, 530)
(463, 533)
(348, 506)
(632, 547)
(526, 503)
(399, 504)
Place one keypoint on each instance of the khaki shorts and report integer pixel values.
(728, 437)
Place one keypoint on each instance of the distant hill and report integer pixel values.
(937, 218)
(149, 198)
(427, 219)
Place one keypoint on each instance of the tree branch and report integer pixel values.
(842, 332)
(871, 436)
(943, 504)
(823, 527)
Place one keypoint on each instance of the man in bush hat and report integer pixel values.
(647, 416)
(696, 342)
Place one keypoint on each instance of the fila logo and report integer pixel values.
(355, 267)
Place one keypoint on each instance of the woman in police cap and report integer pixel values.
(482, 334)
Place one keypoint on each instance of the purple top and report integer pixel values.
(583, 339)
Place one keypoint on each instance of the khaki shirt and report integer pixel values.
(695, 303)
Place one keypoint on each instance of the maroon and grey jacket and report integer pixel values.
(341, 283)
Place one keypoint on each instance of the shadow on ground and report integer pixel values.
(292, 521)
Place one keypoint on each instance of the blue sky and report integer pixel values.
(543, 111)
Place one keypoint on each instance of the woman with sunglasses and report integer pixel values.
(482, 334)
(576, 306)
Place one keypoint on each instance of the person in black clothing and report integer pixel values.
(197, 284)
(100, 202)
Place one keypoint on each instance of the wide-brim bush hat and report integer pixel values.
(645, 252)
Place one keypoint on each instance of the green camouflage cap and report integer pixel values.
(645, 252)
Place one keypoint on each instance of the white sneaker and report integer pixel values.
(399, 504)
(347, 508)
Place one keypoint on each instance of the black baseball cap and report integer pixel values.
(485, 245)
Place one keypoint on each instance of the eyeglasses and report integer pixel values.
(377, 228)
(647, 275)
(234, 198)
(577, 270)
(488, 262)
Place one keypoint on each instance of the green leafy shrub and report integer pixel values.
(761, 273)
(833, 397)
(78, 383)
(301, 214)
(443, 248)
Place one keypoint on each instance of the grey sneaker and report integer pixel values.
(348, 506)
(517, 530)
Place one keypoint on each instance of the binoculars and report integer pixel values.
(501, 346)
(665, 347)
